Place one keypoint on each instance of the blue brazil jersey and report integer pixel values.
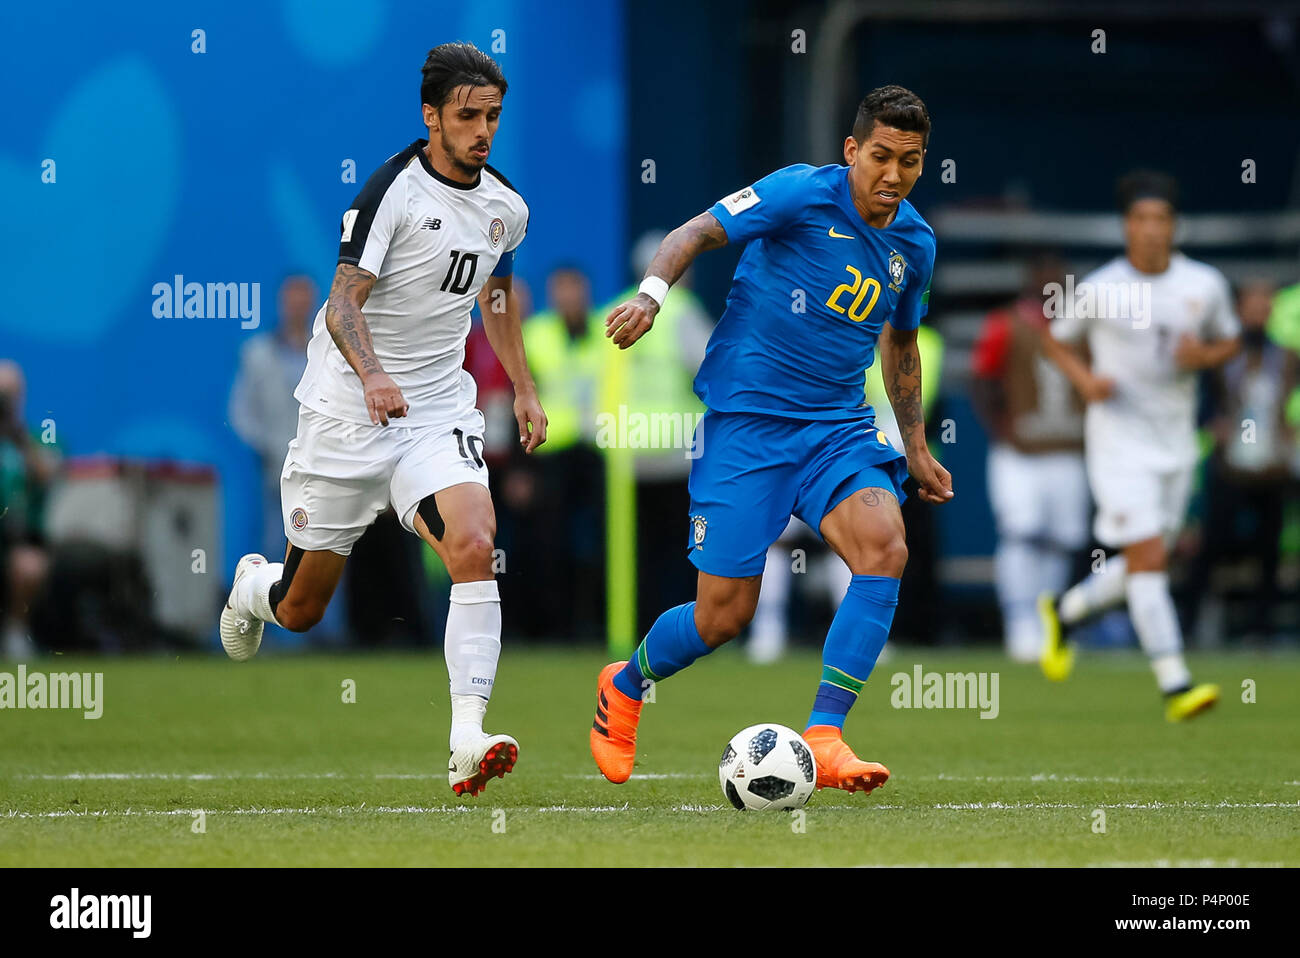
(813, 289)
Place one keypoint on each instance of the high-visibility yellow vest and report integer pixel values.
(568, 376)
(657, 380)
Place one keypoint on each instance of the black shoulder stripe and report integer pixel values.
(368, 200)
(504, 182)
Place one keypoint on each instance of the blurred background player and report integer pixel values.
(1152, 319)
(1037, 485)
(388, 412)
(787, 431)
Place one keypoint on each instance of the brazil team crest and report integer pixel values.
(897, 265)
(496, 231)
(701, 525)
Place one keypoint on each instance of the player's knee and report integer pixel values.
(886, 555)
(299, 616)
(470, 550)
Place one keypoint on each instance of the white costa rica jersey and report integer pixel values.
(432, 243)
(1132, 322)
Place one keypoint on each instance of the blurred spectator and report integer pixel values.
(560, 493)
(264, 414)
(1038, 487)
(27, 468)
(660, 375)
(263, 411)
(1248, 478)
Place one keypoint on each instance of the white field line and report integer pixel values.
(587, 809)
(221, 776)
(1038, 777)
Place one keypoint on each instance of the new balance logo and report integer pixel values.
(431, 224)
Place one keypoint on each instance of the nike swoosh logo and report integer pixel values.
(831, 232)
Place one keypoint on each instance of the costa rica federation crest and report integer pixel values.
(496, 231)
(897, 266)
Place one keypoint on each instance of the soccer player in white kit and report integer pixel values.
(1151, 318)
(387, 411)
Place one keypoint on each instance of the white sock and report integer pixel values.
(1015, 565)
(467, 713)
(773, 598)
(472, 647)
(1096, 593)
(1156, 623)
(1053, 573)
(254, 594)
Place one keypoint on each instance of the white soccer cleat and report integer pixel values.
(241, 637)
(480, 759)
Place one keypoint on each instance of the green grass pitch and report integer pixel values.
(287, 773)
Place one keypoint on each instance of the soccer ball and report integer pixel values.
(767, 766)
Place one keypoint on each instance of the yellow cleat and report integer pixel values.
(1057, 657)
(1193, 702)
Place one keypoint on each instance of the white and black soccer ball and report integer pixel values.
(767, 766)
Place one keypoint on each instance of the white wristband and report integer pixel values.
(655, 288)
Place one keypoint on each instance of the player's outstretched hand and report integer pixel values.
(933, 480)
(528, 411)
(631, 320)
(1097, 389)
(384, 400)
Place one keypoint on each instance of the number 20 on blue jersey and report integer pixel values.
(859, 289)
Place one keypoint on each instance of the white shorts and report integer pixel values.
(1041, 497)
(339, 476)
(1136, 502)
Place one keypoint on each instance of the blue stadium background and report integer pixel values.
(226, 166)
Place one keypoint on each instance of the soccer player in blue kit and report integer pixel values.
(832, 255)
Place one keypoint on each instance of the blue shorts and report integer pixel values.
(755, 471)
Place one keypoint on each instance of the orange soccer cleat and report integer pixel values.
(837, 766)
(613, 733)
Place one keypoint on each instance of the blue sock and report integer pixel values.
(672, 643)
(856, 636)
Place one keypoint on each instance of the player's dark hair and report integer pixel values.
(1145, 185)
(894, 106)
(455, 64)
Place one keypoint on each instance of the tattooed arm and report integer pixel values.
(633, 319)
(347, 326)
(901, 370)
